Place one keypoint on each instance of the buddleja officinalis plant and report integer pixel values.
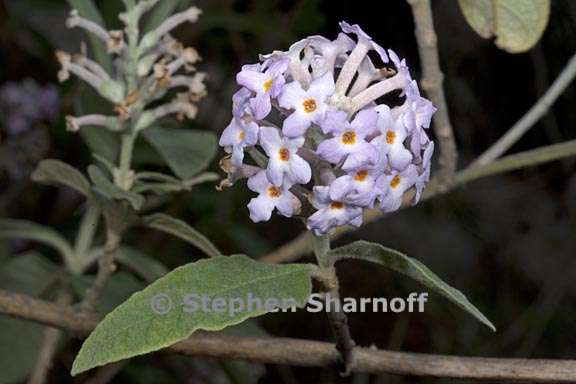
(321, 147)
(330, 134)
(321, 133)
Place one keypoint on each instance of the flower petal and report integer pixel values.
(261, 208)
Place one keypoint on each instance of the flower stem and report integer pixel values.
(338, 319)
(125, 177)
(321, 249)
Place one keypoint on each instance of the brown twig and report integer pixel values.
(309, 353)
(107, 373)
(106, 268)
(48, 348)
(432, 79)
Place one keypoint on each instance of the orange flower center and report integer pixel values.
(390, 137)
(336, 205)
(395, 181)
(274, 192)
(349, 137)
(309, 105)
(284, 154)
(361, 176)
(268, 85)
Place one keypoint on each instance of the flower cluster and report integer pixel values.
(331, 127)
(145, 69)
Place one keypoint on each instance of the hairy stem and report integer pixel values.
(125, 173)
(106, 268)
(338, 320)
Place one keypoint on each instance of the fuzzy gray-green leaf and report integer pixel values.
(33, 231)
(111, 190)
(186, 152)
(134, 328)
(182, 230)
(56, 172)
(516, 24)
(410, 267)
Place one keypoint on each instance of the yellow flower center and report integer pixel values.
(274, 192)
(349, 137)
(361, 176)
(268, 85)
(309, 105)
(395, 181)
(336, 205)
(284, 154)
(241, 135)
(390, 137)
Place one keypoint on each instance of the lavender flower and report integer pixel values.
(348, 146)
(394, 185)
(309, 105)
(265, 85)
(284, 166)
(331, 213)
(357, 188)
(237, 136)
(391, 141)
(269, 198)
(332, 129)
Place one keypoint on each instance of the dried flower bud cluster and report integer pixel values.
(330, 128)
(145, 69)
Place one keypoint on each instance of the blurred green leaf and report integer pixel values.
(182, 230)
(187, 152)
(143, 265)
(20, 340)
(101, 142)
(149, 321)
(110, 190)
(516, 24)
(410, 267)
(56, 172)
(88, 10)
(118, 288)
(161, 12)
(40, 233)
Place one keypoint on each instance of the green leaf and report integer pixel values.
(410, 267)
(119, 287)
(20, 341)
(88, 10)
(182, 230)
(111, 190)
(134, 328)
(516, 24)
(160, 13)
(143, 265)
(56, 172)
(186, 152)
(40, 233)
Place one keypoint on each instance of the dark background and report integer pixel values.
(508, 242)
